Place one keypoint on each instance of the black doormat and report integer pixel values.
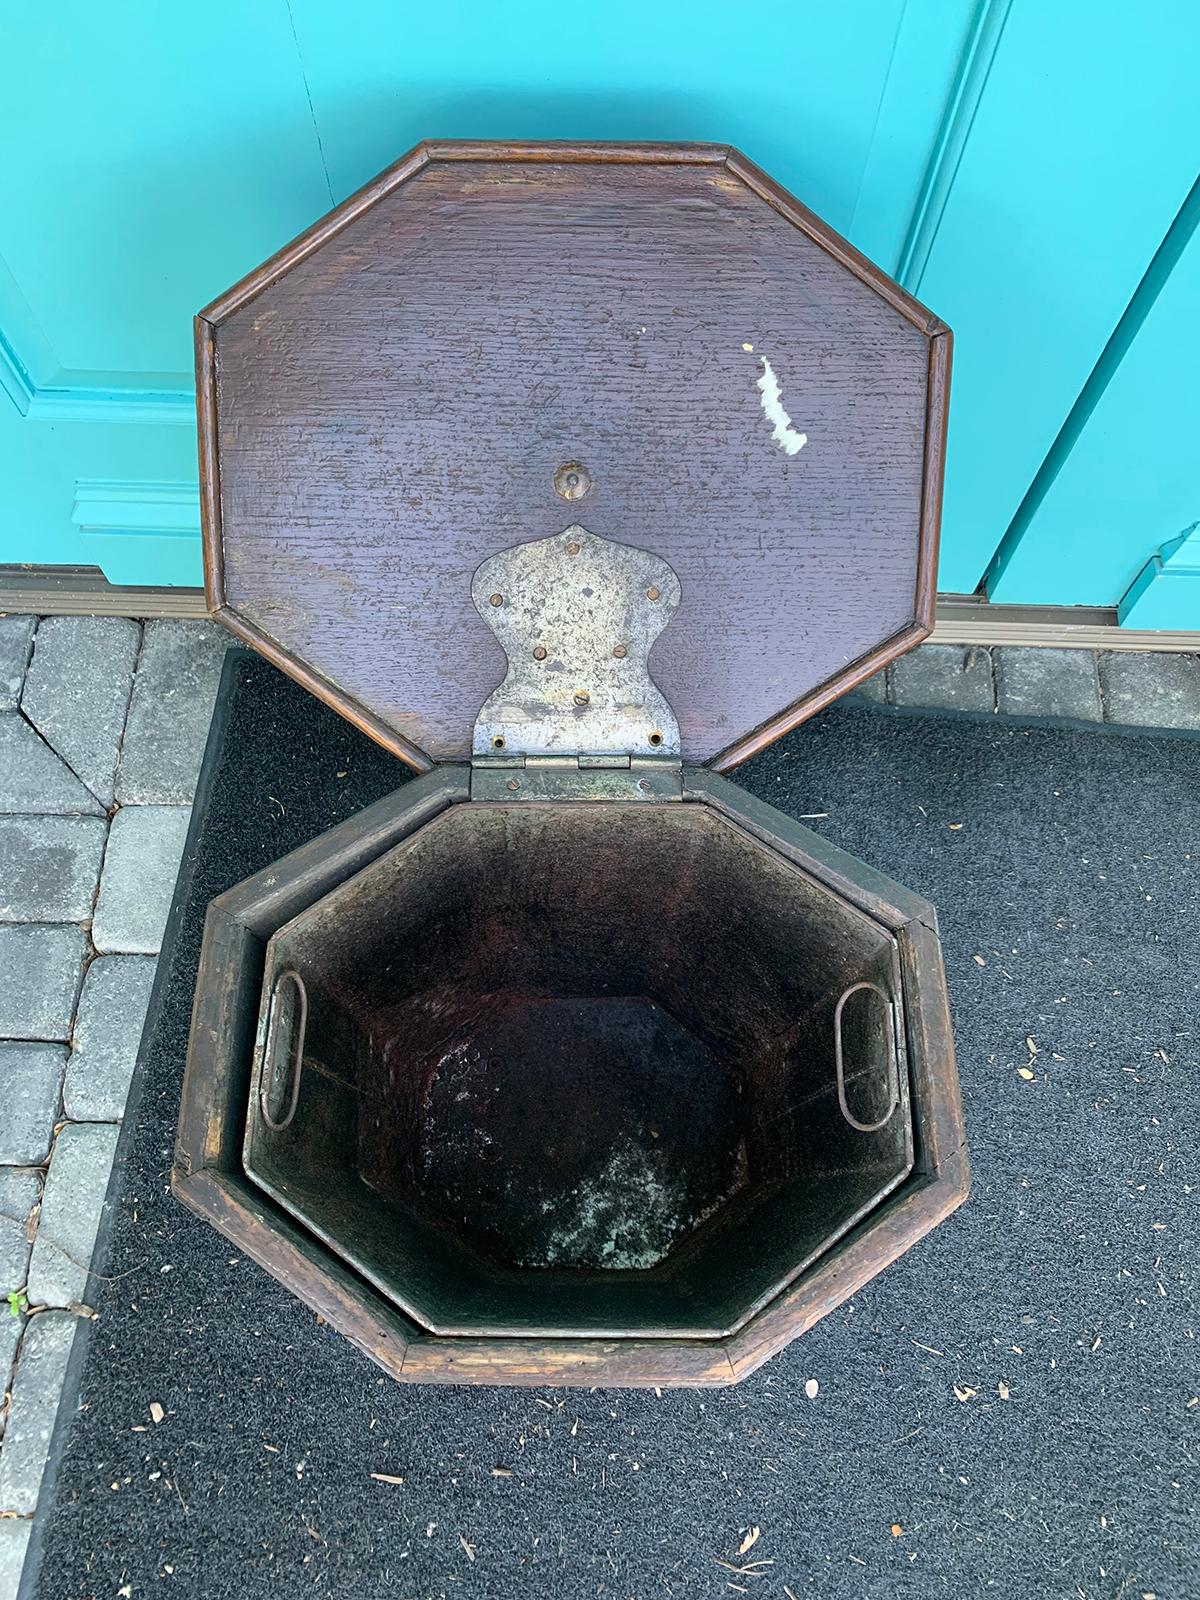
(1009, 1410)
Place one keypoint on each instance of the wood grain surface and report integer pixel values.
(386, 403)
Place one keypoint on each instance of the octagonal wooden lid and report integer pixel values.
(387, 402)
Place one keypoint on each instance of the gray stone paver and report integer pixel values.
(874, 689)
(30, 1090)
(41, 1367)
(77, 692)
(71, 1204)
(108, 1030)
(1152, 690)
(49, 867)
(944, 677)
(42, 966)
(20, 1189)
(169, 714)
(1048, 683)
(145, 845)
(16, 636)
(10, 1337)
(33, 779)
(14, 1541)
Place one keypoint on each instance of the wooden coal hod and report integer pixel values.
(574, 475)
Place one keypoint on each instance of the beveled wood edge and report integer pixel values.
(237, 927)
(854, 880)
(937, 401)
(278, 893)
(832, 242)
(319, 686)
(937, 417)
(618, 152)
(239, 1212)
(817, 699)
(942, 1146)
(377, 188)
(210, 480)
(312, 238)
(939, 1184)
(222, 1025)
(307, 1269)
(916, 1210)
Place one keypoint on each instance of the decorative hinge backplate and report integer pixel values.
(577, 616)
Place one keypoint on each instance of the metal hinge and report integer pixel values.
(578, 777)
(577, 616)
(578, 716)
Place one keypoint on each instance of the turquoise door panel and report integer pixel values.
(801, 100)
(1166, 593)
(53, 513)
(154, 153)
(928, 77)
(1128, 483)
(132, 201)
(167, 149)
(1016, 164)
(1082, 146)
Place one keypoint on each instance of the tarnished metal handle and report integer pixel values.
(268, 1074)
(892, 1062)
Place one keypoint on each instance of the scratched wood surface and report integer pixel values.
(393, 409)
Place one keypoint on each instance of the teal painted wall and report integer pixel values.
(1018, 164)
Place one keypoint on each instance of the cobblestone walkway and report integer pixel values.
(102, 729)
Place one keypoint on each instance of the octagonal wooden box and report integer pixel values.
(574, 475)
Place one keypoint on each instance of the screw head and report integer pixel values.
(581, 697)
(620, 652)
(495, 599)
(653, 594)
(573, 548)
(572, 480)
(514, 784)
(539, 652)
(644, 785)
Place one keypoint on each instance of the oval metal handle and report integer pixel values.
(892, 1062)
(273, 1016)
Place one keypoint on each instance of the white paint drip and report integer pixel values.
(783, 433)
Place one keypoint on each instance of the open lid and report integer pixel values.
(491, 344)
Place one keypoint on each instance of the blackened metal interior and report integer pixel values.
(570, 1068)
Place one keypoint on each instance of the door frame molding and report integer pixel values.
(960, 619)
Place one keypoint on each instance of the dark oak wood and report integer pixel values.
(385, 402)
(383, 405)
(209, 1175)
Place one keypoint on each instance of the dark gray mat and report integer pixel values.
(1005, 1411)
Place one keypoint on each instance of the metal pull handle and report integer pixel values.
(296, 1053)
(892, 1063)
